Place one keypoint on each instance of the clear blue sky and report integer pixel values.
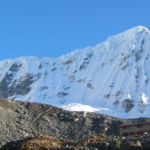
(51, 28)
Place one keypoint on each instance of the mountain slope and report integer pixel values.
(21, 119)
(112, 77)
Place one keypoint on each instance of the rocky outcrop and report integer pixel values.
(20, 88)
(127, 105)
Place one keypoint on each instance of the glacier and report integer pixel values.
(112, 77)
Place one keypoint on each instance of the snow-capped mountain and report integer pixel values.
(111, 78)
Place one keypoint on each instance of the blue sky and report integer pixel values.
(51, 28)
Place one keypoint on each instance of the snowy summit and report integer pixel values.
(111, 78)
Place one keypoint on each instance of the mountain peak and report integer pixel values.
(127, 35)
(137, 29)
(140, 28)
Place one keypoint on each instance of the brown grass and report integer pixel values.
(37, 142)
(42, 141)
(94, 138)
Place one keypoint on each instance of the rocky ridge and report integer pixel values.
(21, 119)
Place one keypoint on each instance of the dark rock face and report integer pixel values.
(127, 105)
(21, 119)
(68, 62)
(21, 88)
(116, 103)
(5, 91)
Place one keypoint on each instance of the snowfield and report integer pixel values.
(112, 78)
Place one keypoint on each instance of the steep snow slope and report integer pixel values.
(112, 77)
